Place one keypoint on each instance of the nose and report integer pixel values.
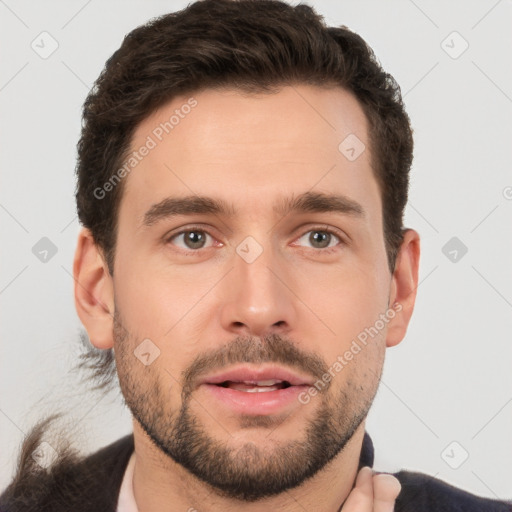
(257, 297)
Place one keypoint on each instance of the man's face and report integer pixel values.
(290, 298)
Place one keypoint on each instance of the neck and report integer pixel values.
(161, 485)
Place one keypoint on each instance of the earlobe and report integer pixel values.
(94, 292)
(404, 283)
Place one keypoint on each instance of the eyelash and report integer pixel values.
(326, 250)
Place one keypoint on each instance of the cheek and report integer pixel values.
(164, 305)
(154, 300)
(350, 303)
(345, 297)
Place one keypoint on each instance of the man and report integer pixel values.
(242, 177)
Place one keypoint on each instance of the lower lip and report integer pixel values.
(256, 403)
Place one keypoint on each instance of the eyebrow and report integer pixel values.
(309, 202)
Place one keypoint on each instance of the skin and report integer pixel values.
(250, 151)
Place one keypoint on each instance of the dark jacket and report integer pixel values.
(98, 490)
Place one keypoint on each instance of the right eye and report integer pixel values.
(192, 239)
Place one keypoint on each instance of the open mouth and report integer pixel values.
(261, 386)
(255, 390)
(254, 396)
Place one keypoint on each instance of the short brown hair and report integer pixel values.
(252, 45)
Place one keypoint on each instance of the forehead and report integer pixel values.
(250, 148)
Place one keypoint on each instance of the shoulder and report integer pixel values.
(422, 493)
(71, 483)
(111, 459)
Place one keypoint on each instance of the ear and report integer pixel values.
(404, 283)
(94, 291)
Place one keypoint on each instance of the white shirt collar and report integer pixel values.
(126, 500)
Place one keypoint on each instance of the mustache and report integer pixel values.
(272, 348)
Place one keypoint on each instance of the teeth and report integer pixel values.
(259, 390)
(255, 389)
(264, 382)
(256, 386)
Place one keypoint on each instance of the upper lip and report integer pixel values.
(252, 375)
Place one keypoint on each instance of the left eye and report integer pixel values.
(193, 239)
(320, 239)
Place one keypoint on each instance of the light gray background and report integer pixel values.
(449, 380)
